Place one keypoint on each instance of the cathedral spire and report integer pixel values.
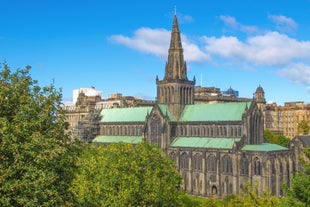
(175, 90)
(176, 67)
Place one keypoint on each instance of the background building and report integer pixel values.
(285, 119)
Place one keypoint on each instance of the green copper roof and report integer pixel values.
(204, 142)
(113, 139)
(265, 147)
(135, 114)
(215, 112)
(165, 110)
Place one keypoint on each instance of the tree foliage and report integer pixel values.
(299, 193)
(126, 175)
(248, 197)
(279, 139)
(36, 155)
(303, 127)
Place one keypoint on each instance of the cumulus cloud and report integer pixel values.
(156, 42)
(283, 23)
(274, 49)
(270, 49)
(296, 72)
(232, 22)
(152, 41)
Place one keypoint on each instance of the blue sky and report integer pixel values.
(120, 46)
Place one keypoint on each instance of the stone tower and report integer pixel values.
(259, 98)
(175, 89)
(260, 95)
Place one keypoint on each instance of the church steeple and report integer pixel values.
(175, 67)
(175, 90)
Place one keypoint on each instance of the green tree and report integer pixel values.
(249, 197)
(299, 193)
(269, 136)
(126, 175)
(303, 127)
(36, 155)
(279, 139)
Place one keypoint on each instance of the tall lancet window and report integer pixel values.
(156, 130)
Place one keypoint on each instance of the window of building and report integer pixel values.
(197, 162)
(173, 156)
(226, 164)
(156, 130)
(244, 166)
(257, 166)
(184, 161)
(211, 163)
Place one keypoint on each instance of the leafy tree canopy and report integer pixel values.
(303, 127)
(248, 197)
(299, 193)
(36, 155)
(276, 138)
(126, 175)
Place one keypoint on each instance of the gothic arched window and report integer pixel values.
(244, 166)
(226, 164)
(257, 166)
(173, 156)
(184, 161)
(156, 130)
(197, 162)
(211, 163)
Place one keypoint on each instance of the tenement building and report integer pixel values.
(218, 147)
(285, 119)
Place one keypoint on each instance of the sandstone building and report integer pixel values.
(285, 119)
(218, 148)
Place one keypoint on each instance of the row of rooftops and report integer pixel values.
(231, 111)
(195, 142)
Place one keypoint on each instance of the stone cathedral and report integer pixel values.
(218, 148)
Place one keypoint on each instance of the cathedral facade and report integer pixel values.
(218, 148)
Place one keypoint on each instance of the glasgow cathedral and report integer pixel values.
(218, 148)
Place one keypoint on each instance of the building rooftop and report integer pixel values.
(134, 114)
(265, 147)
(116, 139)
(204, 142)
(231, 111)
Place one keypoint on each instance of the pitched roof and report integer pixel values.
(204, 142)
(116, 139)
(135, 114)
(264, 147)
(232, 111)
(165, 110)
(305, 139)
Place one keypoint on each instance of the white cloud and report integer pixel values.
(283, 23)
(156, 41)
(298, 73)
(270, 49)
(232, 22)
(287, 55)
(152, 41)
